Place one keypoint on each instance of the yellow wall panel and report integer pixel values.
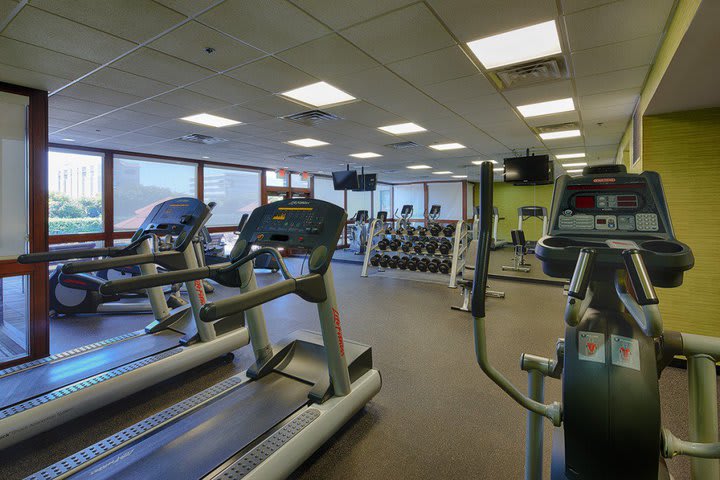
(684, 148)
(508, 198)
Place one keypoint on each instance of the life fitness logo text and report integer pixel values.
(336, 317)
(200, 289)
(604, 180)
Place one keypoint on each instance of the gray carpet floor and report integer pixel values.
(437, 415)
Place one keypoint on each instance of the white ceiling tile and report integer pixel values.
(161, 109)
(28, 78)
(228, 89)
(55, 125)
(366, 114)
(460, 88)
(607, 82)
(572, 6)
(328, 57)
(272, 75)
(91, 93)
(618, 56)
(270, 25)
(138, 20)
(483, 103)
(616, 22)
(274, 105)
(191, 100)
(92, 128)
(244, 115)
(126, 82)
(540, 93)
(343, 13)
(55, 33)
(57, 113)
(471, 19)
(621, 112)
(187, 7)
(190, 41)
(135, 139)
(404, 33)
(41, 60)
(554, 119)
(128, 118)
(6, 8)
(372, 84)
(164, 68)
(439, 66)
(608, 99)
(66, 103)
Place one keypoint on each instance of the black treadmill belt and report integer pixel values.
(50, 376)
(196, 444)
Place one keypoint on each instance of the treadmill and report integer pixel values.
(43, 393)
(267, 420)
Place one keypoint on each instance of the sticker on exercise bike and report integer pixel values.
(591, 347)
(625, 352)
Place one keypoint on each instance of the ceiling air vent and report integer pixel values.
(300, 156)
(557, 128)
(531, 73)
(312, 118)
(202, 139)
(402, 145)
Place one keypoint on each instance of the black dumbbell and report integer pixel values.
(394, 245)
(445, 246)
(445, 266)
(406, 246)
(384, 260)
(434, 265)
(403, 263)
(431, 246)
(410, 230)
(375, 260)
(449, 230)
(393, 262)
(423, 265)
(422, 231)
(383, 244)
(418, 247)
(388, 231)
(412, 264)
(435, 229)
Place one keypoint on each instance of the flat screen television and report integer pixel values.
(367, 182)
(345, 180)
(532, 170)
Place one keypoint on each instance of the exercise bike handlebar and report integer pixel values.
(552, 411)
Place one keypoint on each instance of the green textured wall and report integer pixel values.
(684, 148)
(508, 198)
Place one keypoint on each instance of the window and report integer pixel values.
(357, 201)
(323, 190)
(383, 199)
(272, 179)
(297, 181)
(412, 194)
(75, 190)
(450, 198)
(14, 315)
(139, 185)
(235, 192)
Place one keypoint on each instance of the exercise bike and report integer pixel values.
(615, 347)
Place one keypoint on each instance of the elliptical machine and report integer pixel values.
(359, 232)
(404, 218)
(615, 347)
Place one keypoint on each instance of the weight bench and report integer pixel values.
(466, 280)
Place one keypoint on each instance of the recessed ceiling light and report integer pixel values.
(418, 167)
(444, 172)
(68, 139)
(516, 46)
(565, 156)
(547, 108)
(210, 120)
(205, 157)
(320, 94)
(447, 146)
(579, 170)
(401, 128)
(308, 142)
(578, 164)
(498, 169)
(560, 134)
(479, 162)
(459, 176)
(365, 155)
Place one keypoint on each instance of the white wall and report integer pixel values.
(450, 198)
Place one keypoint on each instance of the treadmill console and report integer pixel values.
(361, 216)
(611, 211)
(407, 211)
(307, 224)
(179, 217)
(382, 216)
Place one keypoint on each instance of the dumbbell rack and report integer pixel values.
(459, 240)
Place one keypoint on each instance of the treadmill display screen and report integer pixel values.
(585, 201)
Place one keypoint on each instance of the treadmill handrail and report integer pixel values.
(41, 257)
(161, 258)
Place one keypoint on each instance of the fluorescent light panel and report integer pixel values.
(68, 139)
(308, 142)
(447, 146)
(418, 167)
(579, 170)
(560, 134)
(320, 94)
(479, 162)
(365, 155)
(401, 128)
(547, 108)
(566, 156)
(498, 169)
(210, 120)
(444, 172)
(516, 46)
(459, 176)
(578, 164)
